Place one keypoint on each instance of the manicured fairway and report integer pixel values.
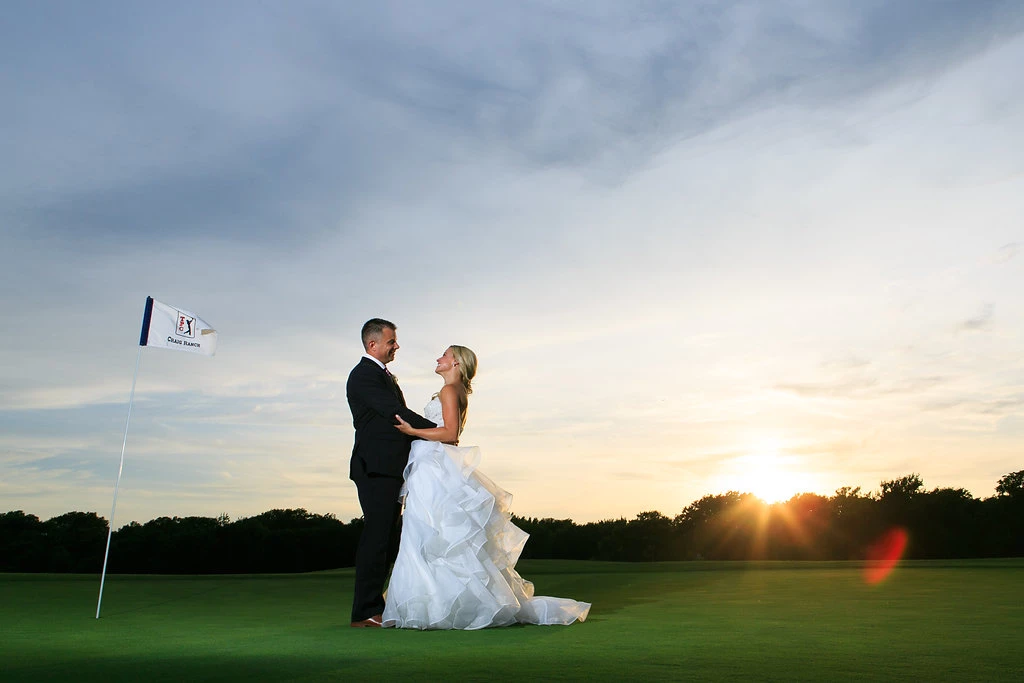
(669, 621)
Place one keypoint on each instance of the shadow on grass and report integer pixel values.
(208, 667)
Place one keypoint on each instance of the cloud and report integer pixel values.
(1007, 252)
(595, 88)
(982, 321)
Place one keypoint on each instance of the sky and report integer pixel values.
(767, 247)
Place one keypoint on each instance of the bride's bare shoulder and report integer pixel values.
(455, 391)
(457, 394)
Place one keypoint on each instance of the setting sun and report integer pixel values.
(768, 474)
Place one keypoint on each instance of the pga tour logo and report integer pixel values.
(186, 326)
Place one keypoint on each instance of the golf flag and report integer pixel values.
(169, 328)
(172, 328)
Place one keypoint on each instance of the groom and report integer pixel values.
(379, 456)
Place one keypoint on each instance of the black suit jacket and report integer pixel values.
(374, 399)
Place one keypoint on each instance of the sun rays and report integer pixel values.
(770, 498)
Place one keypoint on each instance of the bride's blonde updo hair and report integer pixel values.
(467, 365)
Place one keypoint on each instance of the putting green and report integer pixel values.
(959, 620)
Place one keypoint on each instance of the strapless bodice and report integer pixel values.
(433, 412)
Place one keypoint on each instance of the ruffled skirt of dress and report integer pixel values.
(456, 562)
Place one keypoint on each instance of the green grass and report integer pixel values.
(663, 621)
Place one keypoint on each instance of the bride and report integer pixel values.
(456, 561)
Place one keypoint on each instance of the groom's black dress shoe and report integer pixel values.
(376, 621)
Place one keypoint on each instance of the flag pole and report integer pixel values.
(113, 506)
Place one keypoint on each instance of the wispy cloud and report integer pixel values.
(979, 322)
(1007, 252)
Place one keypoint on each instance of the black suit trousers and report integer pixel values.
(378, 542)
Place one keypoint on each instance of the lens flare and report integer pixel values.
(884, 555)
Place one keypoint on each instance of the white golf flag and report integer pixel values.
(172, 328)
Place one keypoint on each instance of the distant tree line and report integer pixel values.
(275, 541)
(940, 523)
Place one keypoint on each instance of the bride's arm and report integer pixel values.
(449, 433)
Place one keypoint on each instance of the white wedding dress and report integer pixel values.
(456, 562)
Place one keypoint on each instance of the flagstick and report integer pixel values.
(110, 528)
